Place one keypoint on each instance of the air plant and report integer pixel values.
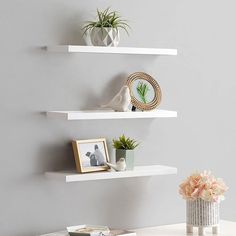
(142, 90)
(107, 19)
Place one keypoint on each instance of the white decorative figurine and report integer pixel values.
(119, 166)
(121, 101)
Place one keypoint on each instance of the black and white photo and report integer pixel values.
(90, 155)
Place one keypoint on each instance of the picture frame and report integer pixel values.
(90, 155)
(145, 92)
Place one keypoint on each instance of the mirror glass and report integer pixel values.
(143, 91)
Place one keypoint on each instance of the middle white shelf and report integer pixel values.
(101, 114)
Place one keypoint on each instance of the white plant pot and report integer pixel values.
(109, 37)
(201, 214)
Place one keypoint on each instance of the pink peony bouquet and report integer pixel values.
(203, 185)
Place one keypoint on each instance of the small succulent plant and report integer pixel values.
(124, 143)
(107, 19)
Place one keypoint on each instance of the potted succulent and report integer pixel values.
(203, 194)
(105, 30)
(125, 149)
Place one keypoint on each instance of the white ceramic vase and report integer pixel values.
(109, 37)
(202, 214)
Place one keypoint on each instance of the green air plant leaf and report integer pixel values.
(107, 19)
(142, 90)
(124, 143)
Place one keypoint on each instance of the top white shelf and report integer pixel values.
(112, 50)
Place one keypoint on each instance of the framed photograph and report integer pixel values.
(90, 155)
(145, 92)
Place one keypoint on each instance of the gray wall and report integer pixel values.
(199, 83)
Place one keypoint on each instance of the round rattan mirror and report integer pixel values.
(145, 92)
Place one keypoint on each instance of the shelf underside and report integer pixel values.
(139, 171)
(95, 115)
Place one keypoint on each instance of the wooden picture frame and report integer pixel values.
(152, 86)
(90, 155)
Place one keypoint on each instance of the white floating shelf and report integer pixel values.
(139, 171)
(101, 114)
(112, 50)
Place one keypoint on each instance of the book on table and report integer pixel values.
(88, 230)
(121, 232)
(91, 230)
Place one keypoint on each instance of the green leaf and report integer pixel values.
(142, 90)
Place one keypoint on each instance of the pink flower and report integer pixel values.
(203, 185)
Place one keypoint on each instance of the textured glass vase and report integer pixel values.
(109, 37)
(201, 214)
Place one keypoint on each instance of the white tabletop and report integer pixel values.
(227, 228)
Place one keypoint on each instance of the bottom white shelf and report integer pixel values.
(139, 171)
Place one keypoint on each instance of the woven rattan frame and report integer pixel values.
(157, 90)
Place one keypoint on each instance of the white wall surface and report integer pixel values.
(199, 83)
